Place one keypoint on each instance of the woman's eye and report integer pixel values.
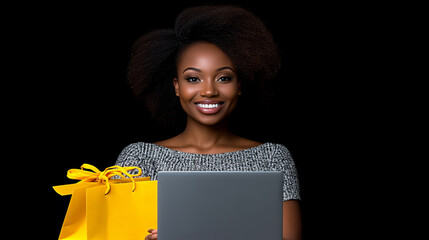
(224, 79)
(192, 79)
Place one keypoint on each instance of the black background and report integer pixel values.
(74, 105)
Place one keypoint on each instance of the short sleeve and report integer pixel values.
(286, 164)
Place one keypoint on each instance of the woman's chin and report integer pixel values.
(209, 121)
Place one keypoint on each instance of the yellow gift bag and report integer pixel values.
(105, 208)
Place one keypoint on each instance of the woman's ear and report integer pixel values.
(176, 86)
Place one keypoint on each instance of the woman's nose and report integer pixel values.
(209, 89)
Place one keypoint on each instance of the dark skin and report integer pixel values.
(208, 88)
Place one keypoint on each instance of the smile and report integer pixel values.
(209, 107)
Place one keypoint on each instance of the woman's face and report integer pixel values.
(206, 83)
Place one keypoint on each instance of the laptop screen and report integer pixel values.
(220, 205)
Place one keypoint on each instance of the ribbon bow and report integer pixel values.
(95, 175)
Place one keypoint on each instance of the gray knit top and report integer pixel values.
(152, 158)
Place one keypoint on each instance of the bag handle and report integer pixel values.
(95, 175)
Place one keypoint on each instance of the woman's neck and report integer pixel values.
(198, 138)
(204, 136)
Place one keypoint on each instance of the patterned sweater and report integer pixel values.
(152, 158)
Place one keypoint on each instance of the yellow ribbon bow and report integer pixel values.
(95, 175)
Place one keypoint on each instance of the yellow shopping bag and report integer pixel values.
(104, 208)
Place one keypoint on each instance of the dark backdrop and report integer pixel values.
(79, 107)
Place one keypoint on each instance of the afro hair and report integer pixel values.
(236, 31)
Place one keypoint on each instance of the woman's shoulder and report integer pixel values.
(134, 147)
(138, 153)
(140, 148)
(134, 150)
(276, 151)
(273, 147)
(167, 143)
(268, 146)
(245, 143)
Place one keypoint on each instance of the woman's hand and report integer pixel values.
(153, 234)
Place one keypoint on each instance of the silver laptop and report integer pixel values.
(220, 205)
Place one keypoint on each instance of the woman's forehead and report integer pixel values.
(204, 56)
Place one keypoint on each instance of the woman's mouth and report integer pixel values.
(209, 107)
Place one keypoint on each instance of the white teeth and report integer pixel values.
(208, 105)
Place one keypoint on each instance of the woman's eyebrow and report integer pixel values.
(199, 70)
(192, 68)
(223, 68)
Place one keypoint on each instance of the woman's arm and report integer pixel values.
(292, 229)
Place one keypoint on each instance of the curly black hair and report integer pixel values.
(235, 30)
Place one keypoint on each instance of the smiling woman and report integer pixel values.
(201, 70)
(208, 86)
(235, 31)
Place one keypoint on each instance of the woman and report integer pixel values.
(214, 59)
